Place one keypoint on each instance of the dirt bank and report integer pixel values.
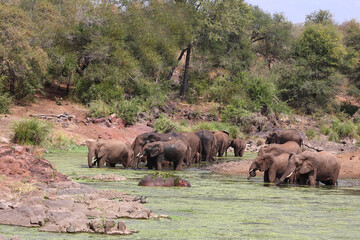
(57, 203)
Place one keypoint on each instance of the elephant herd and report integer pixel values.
(283, 160)
(158, 150)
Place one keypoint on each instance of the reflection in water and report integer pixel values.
(223, 207)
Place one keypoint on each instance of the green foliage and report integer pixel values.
(31, 131)
(22, 62)
(61, 142)
(320, 49)
(341, 129)
(310, 133)
(128, 110)
(5, 99)
(99, 108)
(320, 17)
(164, 124)
(271, 35)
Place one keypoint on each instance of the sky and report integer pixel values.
(296, 10)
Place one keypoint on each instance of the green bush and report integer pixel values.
(98, 108)
(31, 131)
(128, 110)
(339, 130)
(61, 141)
(310, 133)
(5, 101)
(164, 124)
(233, 112)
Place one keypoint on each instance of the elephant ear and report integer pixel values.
(155, 150)
(265, 163)
(101, 150)
(306, 167)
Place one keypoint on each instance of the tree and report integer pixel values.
(320, 49)
(271, 35)
(219, 30)
(351, 31)
(21, 60)
(310, 82)
(320, 17)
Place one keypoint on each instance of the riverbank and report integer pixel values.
(59, 204)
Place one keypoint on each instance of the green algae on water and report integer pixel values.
(221, 206)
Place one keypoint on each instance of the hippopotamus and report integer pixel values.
(161, 180)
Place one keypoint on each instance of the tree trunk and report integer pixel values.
(68, 83)
(174, 67)
(186, 71)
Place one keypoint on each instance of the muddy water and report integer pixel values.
(223, 207)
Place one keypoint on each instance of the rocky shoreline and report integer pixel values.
(34, 194)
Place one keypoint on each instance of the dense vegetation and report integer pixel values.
(120, 56)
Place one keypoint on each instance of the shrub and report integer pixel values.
(310, 133)
(5, 101)
(98, 108)
(164, 125)
(128, 110)
(62, 142)
(31, 131)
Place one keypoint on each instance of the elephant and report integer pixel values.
(290, 147)
(313, 167)
(208, 142)
(156, 180)
(144, 138)
(222, 142)
(110, 151)
(272, 166)
(239, 146)
(195, 145)
(283, 136)
(175, 151)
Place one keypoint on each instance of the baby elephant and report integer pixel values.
(239, 146)
(176, 151)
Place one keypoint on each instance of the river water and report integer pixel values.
(221, 206)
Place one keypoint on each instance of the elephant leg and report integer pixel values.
(312, 179)
(102, 161)
(241, 152)
(158, 165)
(272, 175)
(178, 165)
(302, 179)
(266, 176)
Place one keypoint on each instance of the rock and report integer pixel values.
(4, 140)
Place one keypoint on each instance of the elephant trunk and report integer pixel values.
(288, 172)
(252, 170)
(91, 155)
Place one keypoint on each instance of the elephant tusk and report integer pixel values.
(290, 175)
(137, 154)
(251, 170)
